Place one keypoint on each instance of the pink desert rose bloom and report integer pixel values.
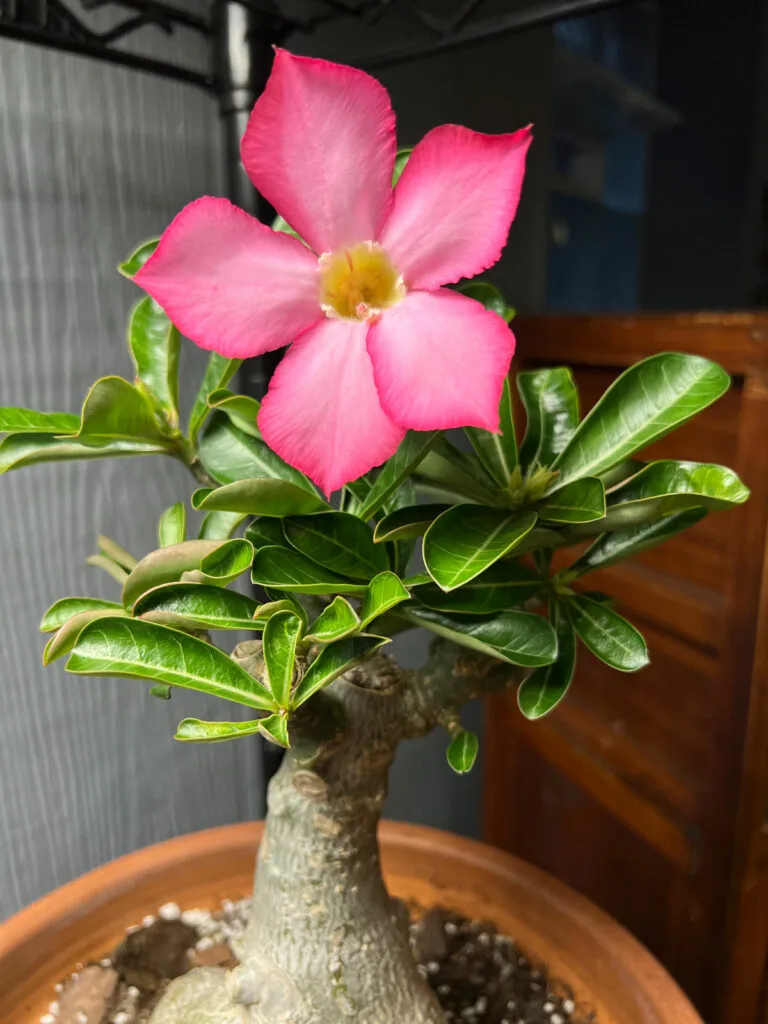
(378, 345)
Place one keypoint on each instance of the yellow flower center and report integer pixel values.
(358, 283)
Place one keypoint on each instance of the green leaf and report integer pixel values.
(333, 661)
(166, 565)
(220, 525)
(410, 453)
(65, 609)
(229, 456)
(286, 604)
(154, 344)
(145, 650)
(17, 450)
(265, 532)
(664, 487)
(65, 638)
(337, 541)
(281, 224)
(283, 569)
(118, 554)
(621, 471)
(488, 295)
(282, 634)
(160, 690)
(130, 267)
(197, 606)
(454, 471)
(384, 592)
(467, 539)
(607, 635)
(552, 408)
(199, 495)
(226, 562)
(264, 496)
(218, 373)
(462, 751)
(194, 730)
(404, 523)
(497, 452)
(275, 728)
(117, 572)
(115, 410)
(172, 528)
(241, 409)
(402, 158)
(581, 501)
(610, 548)
(501, 587)
(647, 401)
(520, 638)
(337, 620)
(30, 421)
(542, 691)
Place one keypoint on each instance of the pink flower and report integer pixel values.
(379, 346)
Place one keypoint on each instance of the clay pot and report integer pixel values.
(584, 947)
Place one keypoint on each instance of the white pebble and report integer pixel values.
(132, 928)
(147, 921)
(48, 1018)
(53, 1008)
(81, 1017)
(120, 1018)
(206, 942)
(568, 1005)
(548, 1007)
(106, 962)
(58, 987)
(170, 911)
(194, 918)
(556, 1018)
(132, 992)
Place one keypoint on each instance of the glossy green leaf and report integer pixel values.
(220, 525)
(408, 522)
(282, 634)
(385, 591)
(275, 728)
(337, 541)
(17, 450)
(581, 501)
(333, 661)
(218, 373)
(501, 587)
(621, 471)
(552, 408)
(607, 635)
(118, 554)
(286, 604)
(227, 561)
(194, 730)
(197, 606)
(543, 690)
(647, 401)
(154, 344)
(264, 532)
(337, 620)
(467, 539)
(497, 452)
(199, 495)
(117, 572)
(172, 528)
(610, 548)
(30, 421)
(488, 295)
(166, 565)
(402, 158)
(264, 496)
(146, 650)
(410, 454)
(520, 638)
(130, 267)
(65, 609)
(229, 455)
(664, 487)
(115, 410)
(64, 639)
(462, 751)
(284, 569)
(241, 409)
(454, 471)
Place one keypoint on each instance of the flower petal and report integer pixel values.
(439, 361)
(320, 147)
(322, 413)
(230, 283)
(454, 203)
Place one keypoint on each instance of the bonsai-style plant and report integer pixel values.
(387, 351)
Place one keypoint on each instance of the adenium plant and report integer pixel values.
(354, 515)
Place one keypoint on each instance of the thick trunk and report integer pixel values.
(325, 943)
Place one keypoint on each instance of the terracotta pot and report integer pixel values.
(584, 947)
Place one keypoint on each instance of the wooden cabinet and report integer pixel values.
(649, 792)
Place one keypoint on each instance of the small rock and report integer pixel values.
(88, 996)
(219, 955)
(428, 937)
(147, 958)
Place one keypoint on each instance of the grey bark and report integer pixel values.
(325, 942)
